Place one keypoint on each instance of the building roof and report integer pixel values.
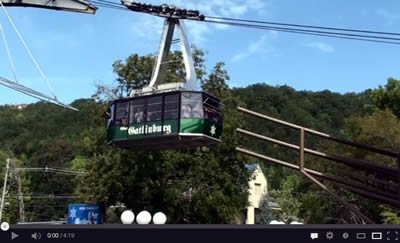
(251, 166)
(273, 205)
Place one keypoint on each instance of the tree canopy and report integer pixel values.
(200, 185)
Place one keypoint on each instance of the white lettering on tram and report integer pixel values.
(145, 129)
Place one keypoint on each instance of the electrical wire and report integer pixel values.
(44, 197)
(47, 169)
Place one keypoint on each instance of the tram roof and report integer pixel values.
(165, 93)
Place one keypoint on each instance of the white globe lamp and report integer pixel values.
(127, 217)
(276, 222)
(159, 218)
(143, 217)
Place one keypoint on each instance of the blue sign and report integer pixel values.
(84, 214)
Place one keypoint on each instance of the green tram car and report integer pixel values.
(177, 119)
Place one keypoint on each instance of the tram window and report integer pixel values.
(211, 109)
(171, 107)
(137, 114)
(192, 105)
(121, 114)
(154, 108)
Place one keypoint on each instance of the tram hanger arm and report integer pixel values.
(79, 6)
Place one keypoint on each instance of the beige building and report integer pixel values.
(257, 191)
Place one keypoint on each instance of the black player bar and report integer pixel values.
(202, 233)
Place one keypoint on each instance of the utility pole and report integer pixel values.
(4, 189)
(20, 193)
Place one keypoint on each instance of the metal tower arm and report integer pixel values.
(159, 71)
(79, 6)
(156, 83)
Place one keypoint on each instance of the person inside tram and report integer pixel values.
(197, 111)
(139, 115)
(186, 111)
(149, 116)
(124, 119)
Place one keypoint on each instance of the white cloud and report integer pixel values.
(324, 47)
(258, 46)
(234, 10)
(150, 27)
(390, 17)
(197, 31)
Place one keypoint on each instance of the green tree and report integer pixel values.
(388, 97)
(201, 185)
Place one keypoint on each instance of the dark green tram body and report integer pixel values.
(177, 119)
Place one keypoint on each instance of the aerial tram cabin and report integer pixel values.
(166, 115)
(177, 119)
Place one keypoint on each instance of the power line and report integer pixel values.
(52, 170)
(44, 197)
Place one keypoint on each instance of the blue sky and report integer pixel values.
(77, 50)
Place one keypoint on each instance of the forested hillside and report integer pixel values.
(202, 185)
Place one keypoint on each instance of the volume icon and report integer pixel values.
(36, 236)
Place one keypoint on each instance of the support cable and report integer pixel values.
(8, 53)
(33, 93)
(28, 51)
(308, 32)
(304, 26)
(146, 8)
(108, 5)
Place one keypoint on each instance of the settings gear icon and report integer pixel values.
(329, 235)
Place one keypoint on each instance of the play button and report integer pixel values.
(14, 235)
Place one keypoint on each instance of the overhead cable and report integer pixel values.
(304, 26)
(335, 32)
(33, 93)
(305, 30)
(315, 33)
(107, 4)
(47, 169)
(27, 50)
(8, 53)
